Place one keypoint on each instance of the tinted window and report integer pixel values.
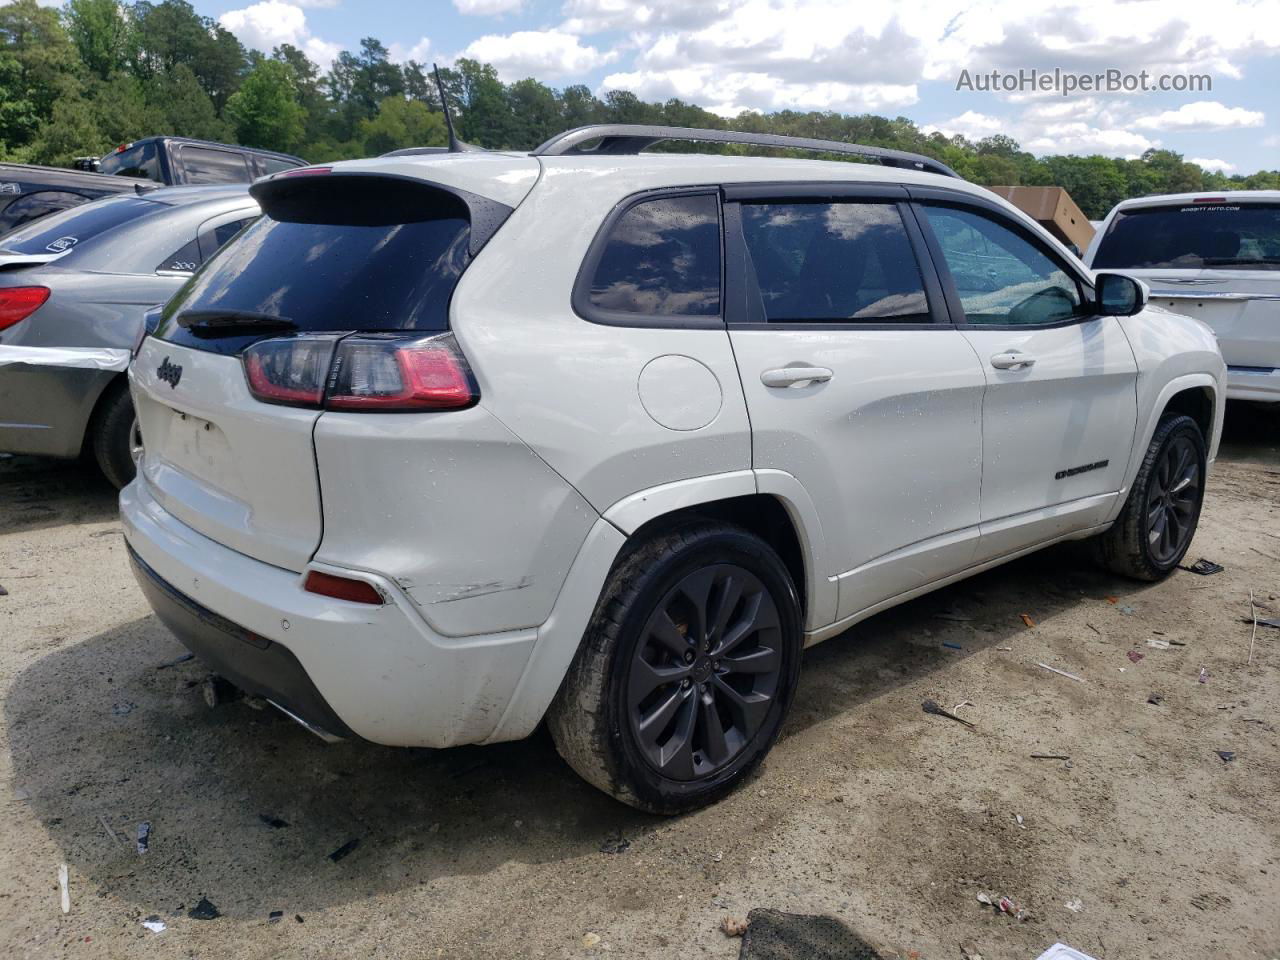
(142, 161)
(59, 232)
(36, 205)
(268, 165)
(228, 230)
(1001, 276)
(1193, 236)
(330, 277)
(202, 165)
(184, 260)
(847, 262)
(662, 259)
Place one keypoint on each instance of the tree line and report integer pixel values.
(81, 80)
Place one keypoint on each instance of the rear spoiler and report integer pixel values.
(9, 259)
(359, 198)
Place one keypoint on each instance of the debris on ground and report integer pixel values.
(1155, 699)
(204, 910)
(144, 836)
(954, 615)
(1155, 643)
(1026, 618)
(1050, 756)
(970, 951)
(177, 660)
(1204, 675)
(1062, 673)
(774, 935)
(123, 709)
(64, 887)
(615, 844)
(1226, 755)
(345, 849)
(154, 924)
(115, 837)
(1074, 905)
(275, 916)
(1004, 905)
(590, 940)
(952, 646)
(1253, 612)
(931, 706)
(1204, 567)
(275, 823)
(1060, 951)
(1134, 656)
(1127, 610)
(3, 591)
(733, 926)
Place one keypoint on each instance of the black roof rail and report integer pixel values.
(626, 138)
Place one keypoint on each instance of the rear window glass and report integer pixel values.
(142, 161)
(61, 232)
(662, 259)
(213, 166)
(331, 277)
(839, 262)
(1194, 236)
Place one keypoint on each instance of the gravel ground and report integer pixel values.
(868, 810)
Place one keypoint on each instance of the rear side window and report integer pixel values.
(660, 259)
(60, 232)
(331, 257)
(202, 165)
(834, 262)
(1193, 236)
(141, 161)
(226, 231)
(269, 165)
(1002, 278)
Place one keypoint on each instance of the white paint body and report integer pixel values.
(491, 531)
(1242, 307)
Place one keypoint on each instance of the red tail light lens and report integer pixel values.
(18, 303)
(290, 371)
(341, 588)
(376, 373)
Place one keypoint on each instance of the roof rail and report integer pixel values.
(626, 138)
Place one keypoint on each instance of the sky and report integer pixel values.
(896, 60)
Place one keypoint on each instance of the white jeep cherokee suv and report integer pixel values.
(1215, 257)
(448, 444)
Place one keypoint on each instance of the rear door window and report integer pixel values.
(61, 232)
(1193, 236)
(659, 260)
(141, 161)
(834, 263)
(205, 165)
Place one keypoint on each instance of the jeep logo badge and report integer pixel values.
(170, 373)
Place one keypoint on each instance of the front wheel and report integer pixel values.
(686, 670)
(1154, 530)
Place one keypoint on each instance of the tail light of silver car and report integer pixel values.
(18, 303)
(372, 372)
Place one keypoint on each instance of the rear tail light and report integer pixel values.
(341, 588)
(18, 303)
(381, 374)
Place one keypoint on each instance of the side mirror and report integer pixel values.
(1119, 295)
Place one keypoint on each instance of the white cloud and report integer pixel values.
(487, 8)
(545, 54)
(597, 16)
(1079, 137)
(971, 125)
(270, 23)
(418, 52)
(1202, 115)
(1210, 163)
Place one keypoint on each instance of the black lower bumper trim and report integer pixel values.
(253, 663)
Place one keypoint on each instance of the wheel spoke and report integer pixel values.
(696, 588)
(713, 739)
(675, 758)
(727, 594)
(653, 723)
(663, 630)
(1157, 527)
(646, 678)
(760, 660)
(748, 709)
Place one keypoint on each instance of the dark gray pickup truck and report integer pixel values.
(28, 192)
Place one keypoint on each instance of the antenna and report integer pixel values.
(455, 145)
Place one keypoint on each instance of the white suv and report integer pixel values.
(1215, 257)
(448, 444)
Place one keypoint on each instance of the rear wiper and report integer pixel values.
(228, 323)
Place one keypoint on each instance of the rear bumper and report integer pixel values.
(378, 672)
(1253, 383)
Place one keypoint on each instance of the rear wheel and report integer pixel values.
(686, 671)
(116, 439)
(1154, 530)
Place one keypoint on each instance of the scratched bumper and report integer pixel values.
(382, 670)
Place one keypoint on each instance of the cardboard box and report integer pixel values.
(1054, 209)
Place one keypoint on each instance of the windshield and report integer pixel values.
(1231, 236)
(60, 232)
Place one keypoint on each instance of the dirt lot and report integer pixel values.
(868, 809)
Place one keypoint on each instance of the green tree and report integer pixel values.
(71, 132)
(487, 119)
(48, 64)
(183, 108)
(102, 33)
(172, 33)
(402, 123)
(266, 111)
(535, 113)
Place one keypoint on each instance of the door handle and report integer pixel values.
(790, 376)
(1012, 360)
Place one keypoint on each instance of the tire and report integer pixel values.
(114, 435)
(629, 647)
(1137, 545)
